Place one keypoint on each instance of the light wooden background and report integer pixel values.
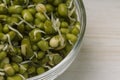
(99, 58)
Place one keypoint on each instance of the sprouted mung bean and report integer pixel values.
(38, 32)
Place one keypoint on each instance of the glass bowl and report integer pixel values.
(65, 63)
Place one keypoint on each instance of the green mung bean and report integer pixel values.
(15, 77)
(43, 45)
(15, 67)
(40, 55)
(3, 9)
(15, 9)
(2, 55)
(40, 70)
(9, 69)
(27, 15)
(5, 29)
(40, 16)
(62, 10)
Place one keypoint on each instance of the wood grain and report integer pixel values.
(99, 58)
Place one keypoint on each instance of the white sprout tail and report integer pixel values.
(9, 41)
(16, 31)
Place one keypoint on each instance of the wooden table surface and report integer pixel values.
(99, 58)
